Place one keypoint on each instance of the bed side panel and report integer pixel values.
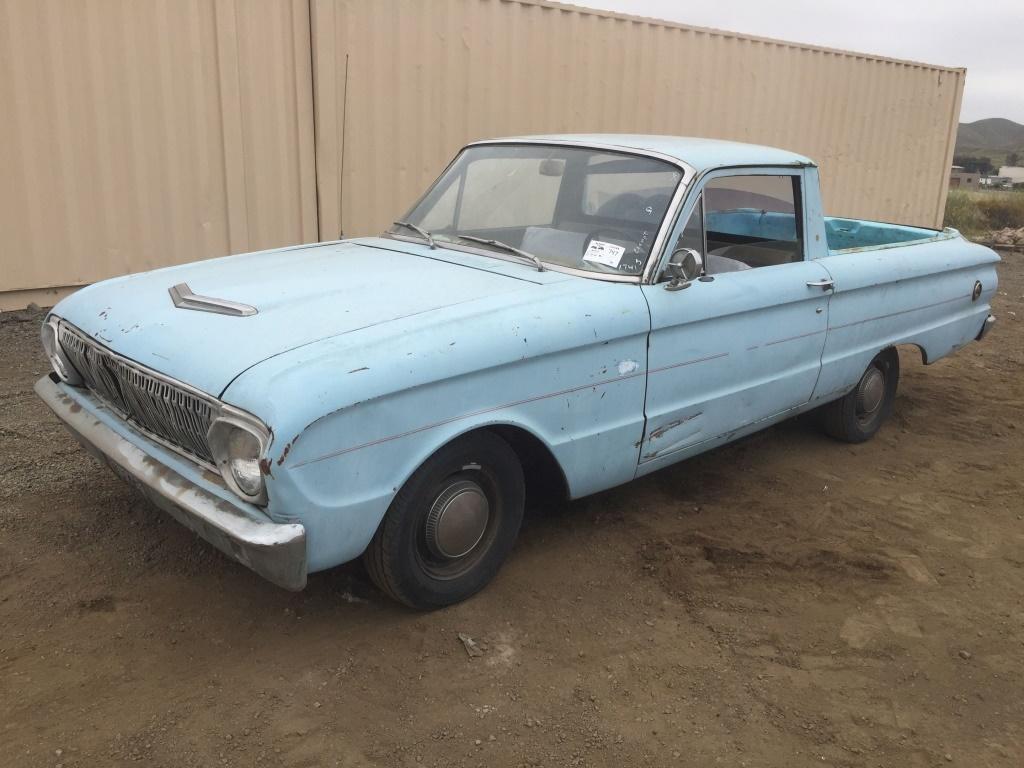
(920, 294)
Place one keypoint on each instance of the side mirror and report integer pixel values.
(685, 265)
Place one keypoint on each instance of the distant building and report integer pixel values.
(961, 179)
(1015, 172)
(996, 182)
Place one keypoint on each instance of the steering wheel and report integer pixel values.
(630, 263)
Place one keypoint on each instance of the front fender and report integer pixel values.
(339, 476)
(353, 418)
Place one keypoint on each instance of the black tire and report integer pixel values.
(407, 557)
(857, 416)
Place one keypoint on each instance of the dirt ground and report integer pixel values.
(784, 601)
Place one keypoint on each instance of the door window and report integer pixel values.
(752, 221)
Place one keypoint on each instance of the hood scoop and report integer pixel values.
(183, 298)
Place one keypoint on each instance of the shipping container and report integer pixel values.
(143, 134)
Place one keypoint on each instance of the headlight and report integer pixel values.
(238, 442)
(58, 359)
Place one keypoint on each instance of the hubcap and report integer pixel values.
(457, 520)
(870, 392)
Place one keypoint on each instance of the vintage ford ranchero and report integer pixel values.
(575, 310)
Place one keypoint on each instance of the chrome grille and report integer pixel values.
(166, 410)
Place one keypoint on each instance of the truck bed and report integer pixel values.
(845, 235)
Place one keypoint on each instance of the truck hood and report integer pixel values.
(302, 295)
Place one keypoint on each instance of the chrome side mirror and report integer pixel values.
(685, 265)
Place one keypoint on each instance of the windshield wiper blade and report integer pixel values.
(419, 231)
(505, 247)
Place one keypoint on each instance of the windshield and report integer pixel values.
(587, 209)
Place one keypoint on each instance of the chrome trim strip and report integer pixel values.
(657, 254)
(276, 551)
(183, 298)
(514, 403)
(685, 167)
(794, 338)
(672, 366)
(900, 312)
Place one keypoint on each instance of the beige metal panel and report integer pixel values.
(140, 134)
(402, 84)
(41, 297)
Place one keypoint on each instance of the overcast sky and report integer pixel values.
(985, 36)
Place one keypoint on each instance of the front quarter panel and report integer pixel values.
(356, 415)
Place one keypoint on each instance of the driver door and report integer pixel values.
(742, 343)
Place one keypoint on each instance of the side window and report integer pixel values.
(692, 235)
(752, 221)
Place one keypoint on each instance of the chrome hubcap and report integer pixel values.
(457, 520)
(870, 392)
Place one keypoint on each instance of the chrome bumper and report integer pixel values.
(986, 326)
(276, 551)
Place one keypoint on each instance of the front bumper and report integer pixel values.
(193, 496)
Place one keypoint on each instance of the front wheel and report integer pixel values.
(452, 524)
(858, 416)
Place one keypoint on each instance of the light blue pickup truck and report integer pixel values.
(557, 314)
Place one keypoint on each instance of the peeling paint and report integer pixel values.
(284, 453)
(660, 431)
(628, 366)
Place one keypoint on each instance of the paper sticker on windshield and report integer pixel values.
(608, 254)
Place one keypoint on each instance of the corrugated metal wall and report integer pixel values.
(424, 78)
(138, 134)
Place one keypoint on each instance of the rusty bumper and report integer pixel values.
(193, 496)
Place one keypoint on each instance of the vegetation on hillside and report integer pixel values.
(985, 145)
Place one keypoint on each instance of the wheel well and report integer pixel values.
(912, 346)
(545, 480)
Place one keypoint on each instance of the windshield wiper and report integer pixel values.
(419, 231)
(505, 247)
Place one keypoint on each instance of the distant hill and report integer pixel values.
(994, 137)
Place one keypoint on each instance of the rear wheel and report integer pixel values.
(452, 524)
(858, 416)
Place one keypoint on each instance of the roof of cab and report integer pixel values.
(700, 154)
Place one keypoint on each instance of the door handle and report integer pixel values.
(825, 285)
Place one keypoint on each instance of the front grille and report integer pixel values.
(163, 408)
